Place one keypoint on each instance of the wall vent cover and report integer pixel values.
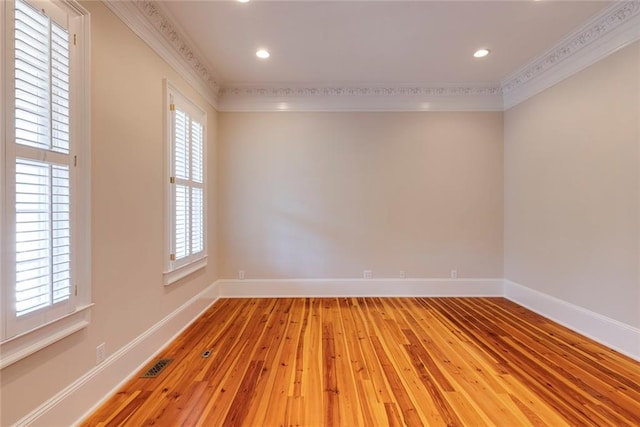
(157, 367)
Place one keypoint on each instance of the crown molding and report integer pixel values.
(612, 29)
(617, 26)
(147, 20)
(241, 97)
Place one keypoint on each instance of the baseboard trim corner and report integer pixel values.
(616, 335)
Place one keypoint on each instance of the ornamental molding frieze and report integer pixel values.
(615, 16)
(360, 98)
(178, 42)
(320, 91)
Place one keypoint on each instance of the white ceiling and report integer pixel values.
(374, 42)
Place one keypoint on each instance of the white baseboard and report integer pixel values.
(609, 332)
(71, 405)
(359, 288)
(74, 403)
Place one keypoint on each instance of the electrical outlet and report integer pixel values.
(241, 274)
(367, 274)
(403, 275)
(454, 274)
(101, 353)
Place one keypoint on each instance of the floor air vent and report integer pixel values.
(155, 370)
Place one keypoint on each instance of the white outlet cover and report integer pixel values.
(101, 353)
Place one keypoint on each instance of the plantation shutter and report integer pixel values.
(187, 166)
(42, 161)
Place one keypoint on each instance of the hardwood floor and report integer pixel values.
(378, 362)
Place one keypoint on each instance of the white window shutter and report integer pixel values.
(42, 162)
(45, 282)
(187, 182)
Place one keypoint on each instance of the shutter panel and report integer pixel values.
(41, 81)
(43, 247)
(60, 88)
(33, 236)
(197, 152)
(182, 222)
(181, 153)
(197, 229)
(197, 206)
(61, 233)
(32, 77)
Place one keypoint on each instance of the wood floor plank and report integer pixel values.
(526, 367)
(580, 376)
(380, 362)
(347, 389)
(370, 408)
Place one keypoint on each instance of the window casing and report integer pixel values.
(45, 182)
(186, 186)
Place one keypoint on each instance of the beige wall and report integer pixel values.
(572, 189)
(327, 195)
(127, 215)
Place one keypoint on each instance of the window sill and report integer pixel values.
(181, 272)
(23, 345)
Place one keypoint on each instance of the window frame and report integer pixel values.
(51, 326)
(175, 270)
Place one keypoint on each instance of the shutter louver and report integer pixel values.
(42, 188)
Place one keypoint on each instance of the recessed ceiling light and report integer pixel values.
(481, 53)
(243, 1)
(263, 54)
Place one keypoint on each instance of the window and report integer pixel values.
(186, 228)
(45, 226)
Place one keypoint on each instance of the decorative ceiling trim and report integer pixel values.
(151, 24)
(241, 97)
(615, 27)
(279, 91)
(179, 42)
